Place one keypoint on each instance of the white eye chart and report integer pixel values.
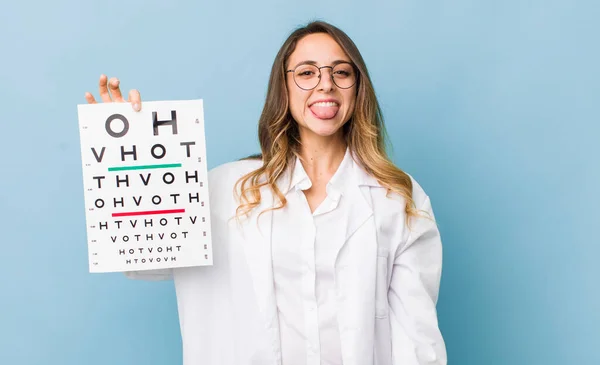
(145, 185)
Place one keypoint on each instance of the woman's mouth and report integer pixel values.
(324, 109)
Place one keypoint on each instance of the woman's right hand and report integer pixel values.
(110, 92)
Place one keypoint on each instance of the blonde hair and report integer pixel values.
(279, 139)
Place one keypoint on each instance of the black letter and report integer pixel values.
(99, 182)
(187, 146)
(188, 177)
(164, 151)
(133, 152)
(99, 158)
(197, 197)
(145, 181)
(173, 122)
(165, 178)
(126, 180)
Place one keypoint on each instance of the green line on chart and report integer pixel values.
(144, 167)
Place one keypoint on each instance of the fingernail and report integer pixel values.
(136, 107)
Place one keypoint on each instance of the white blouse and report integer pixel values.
(303, 270)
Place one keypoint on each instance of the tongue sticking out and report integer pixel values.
(324, 112)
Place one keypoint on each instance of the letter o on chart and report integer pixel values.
(168, 178)
(162, 154)
(110, 131)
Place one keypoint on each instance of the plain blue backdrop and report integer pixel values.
(492, 105)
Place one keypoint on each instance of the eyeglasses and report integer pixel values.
(307, 76)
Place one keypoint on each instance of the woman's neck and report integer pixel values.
(321, 156)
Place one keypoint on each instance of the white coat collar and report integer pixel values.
(296, 178)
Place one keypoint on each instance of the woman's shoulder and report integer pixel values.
(222, 179)
(394, 202)
(419, 195)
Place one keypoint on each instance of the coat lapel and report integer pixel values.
(257, 249)
(357, 203)
(358, 211)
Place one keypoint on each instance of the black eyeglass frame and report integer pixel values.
(320, 73)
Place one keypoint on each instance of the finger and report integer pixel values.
(90, 98)
(115, 91)
(135, 99)
(104, 95)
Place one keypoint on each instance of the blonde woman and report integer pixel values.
(324, 251)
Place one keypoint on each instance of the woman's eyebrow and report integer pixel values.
(310, 62)
(307, 62)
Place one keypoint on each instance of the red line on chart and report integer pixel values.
(148, 212)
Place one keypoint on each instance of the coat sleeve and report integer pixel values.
(413, 294)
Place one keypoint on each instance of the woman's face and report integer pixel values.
(325, 109)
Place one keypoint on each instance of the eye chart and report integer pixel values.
(145, 185)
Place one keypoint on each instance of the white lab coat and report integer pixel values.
(387, 279)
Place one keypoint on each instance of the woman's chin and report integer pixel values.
(323, 127)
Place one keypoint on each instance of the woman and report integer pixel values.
(334, 255)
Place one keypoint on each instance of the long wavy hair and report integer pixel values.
(279, 137)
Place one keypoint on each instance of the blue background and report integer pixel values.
(492, 105)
